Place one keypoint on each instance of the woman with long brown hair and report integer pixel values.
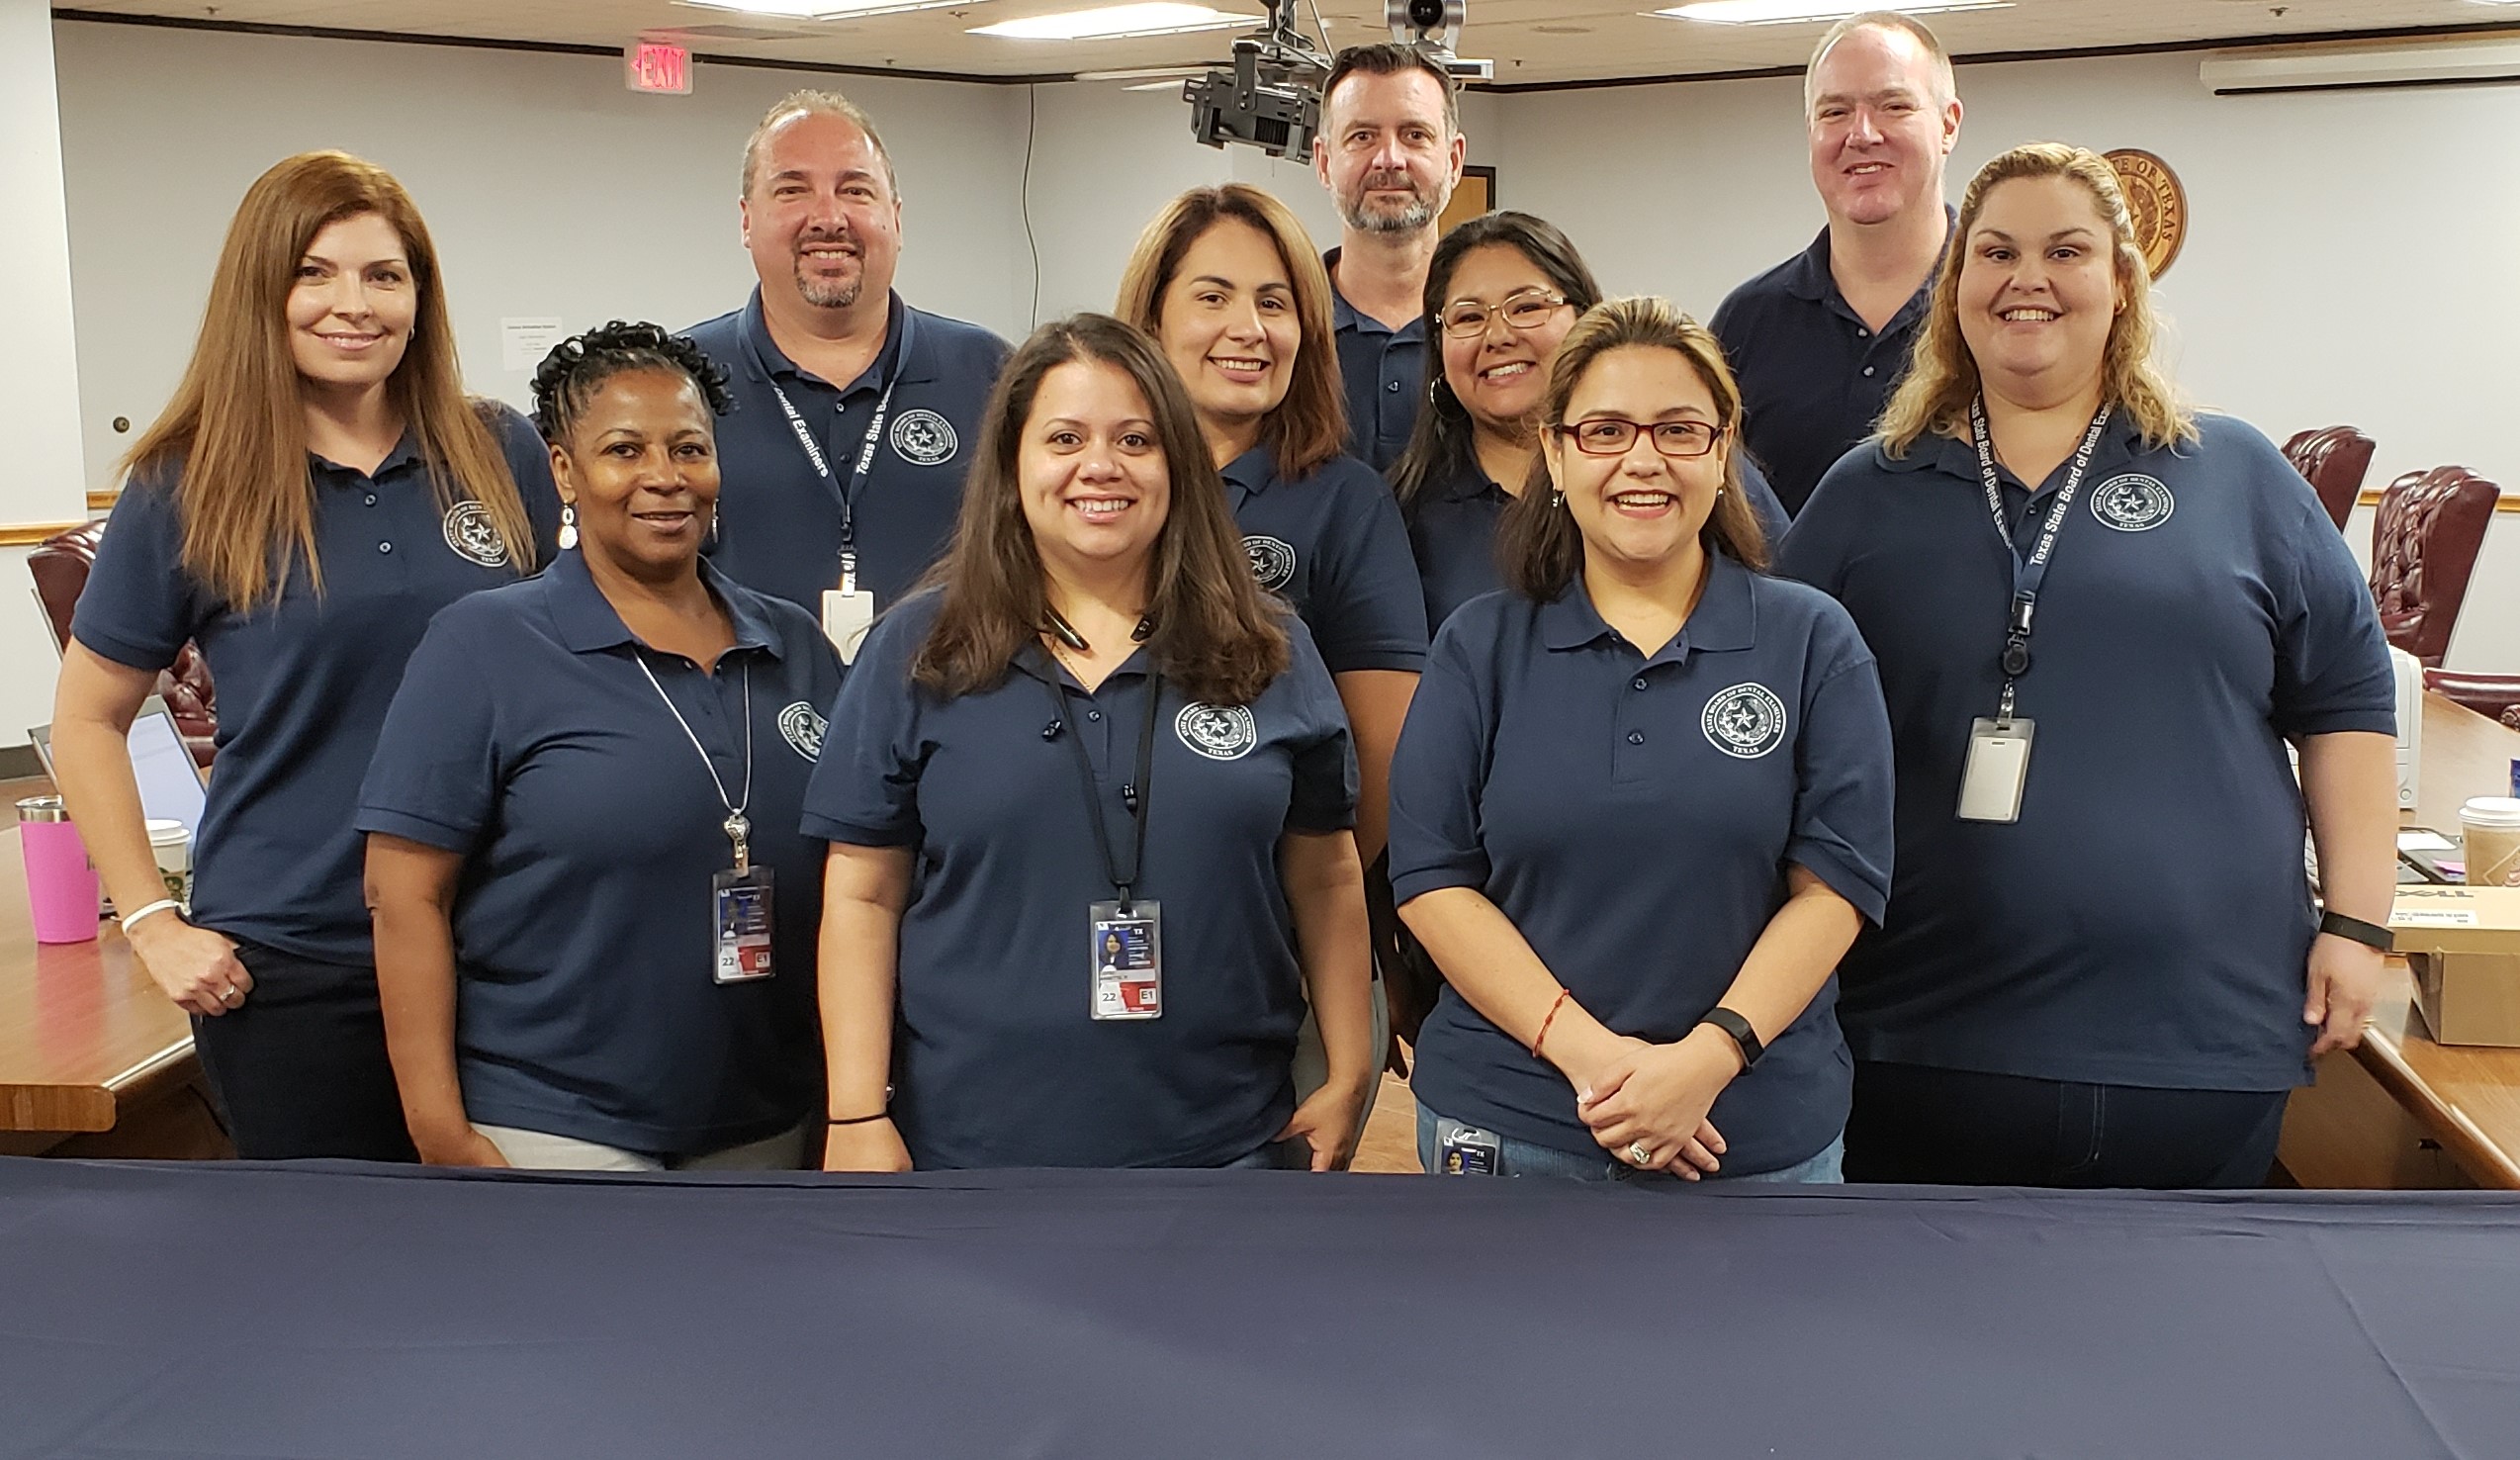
(2099, 617)
(317, 489)
(1089, 799)
(1642, 805)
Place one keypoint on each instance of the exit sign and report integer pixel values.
(656, 66)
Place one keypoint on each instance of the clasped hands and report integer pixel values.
(1647, 1103)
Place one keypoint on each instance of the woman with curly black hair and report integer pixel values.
(594, 912)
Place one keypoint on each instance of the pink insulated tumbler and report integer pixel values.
(60, 883)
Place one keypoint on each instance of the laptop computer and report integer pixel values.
(172, 786)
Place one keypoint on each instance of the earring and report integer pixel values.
(1557, 499)
(568, 526)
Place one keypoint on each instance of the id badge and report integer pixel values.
(1999, 765)
(740, 903)
(846, 616)
(1127, 960)
(1465, 1150)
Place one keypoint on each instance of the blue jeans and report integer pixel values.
(1527, 1158)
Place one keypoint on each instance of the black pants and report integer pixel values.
(300, 1070)
(1915, 1123)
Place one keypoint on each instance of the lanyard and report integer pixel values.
(857, 474)
(2027, 573)
(1137, 795)
(738, 828)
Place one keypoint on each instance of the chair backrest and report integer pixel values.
(2334, 460)
(2424, 546)
(59, 565)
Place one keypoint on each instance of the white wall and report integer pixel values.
(2350, 255)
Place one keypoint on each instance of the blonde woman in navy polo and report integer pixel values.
(2101, 618)
(1642, 805)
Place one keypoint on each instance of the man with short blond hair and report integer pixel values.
(843, 459)
(1820, 342)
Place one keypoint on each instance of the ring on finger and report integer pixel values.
(230, 992)
(1639, 1154)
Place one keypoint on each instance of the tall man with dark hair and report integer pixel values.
(854, 413)
(1390, 151)
(1820, 342)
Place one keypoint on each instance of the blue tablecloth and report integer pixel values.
(340, 1312)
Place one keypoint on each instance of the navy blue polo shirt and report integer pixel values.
(995, 1059)
(1332, 545)
(527, 738)
(1383, 373)
(778, 521)
(1814, 376)
(2146, 922)
(1634, 817)
(304, 681)
(1452, 532)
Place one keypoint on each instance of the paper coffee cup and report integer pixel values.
(171, 842)
(2490, 828)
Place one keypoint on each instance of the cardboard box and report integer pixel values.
(2464, 944)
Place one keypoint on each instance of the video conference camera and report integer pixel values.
(1270, 97)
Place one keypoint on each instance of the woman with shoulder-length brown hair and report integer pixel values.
(1642, 805)
(1088, 796)
(317, 488)
(2101, 617)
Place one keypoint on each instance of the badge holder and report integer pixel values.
(848, 611)
(741, 911)
(1999, 762)
(1127, 955)
(1467, 1151)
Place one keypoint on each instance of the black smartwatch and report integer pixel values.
(2371, 935)
(1739, 1028)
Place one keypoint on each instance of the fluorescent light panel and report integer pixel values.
(1110, 21)
(819, 9)
(1794, 12)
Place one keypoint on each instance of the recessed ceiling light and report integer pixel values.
(1107, 22)
(819, 9)
(1792, 12)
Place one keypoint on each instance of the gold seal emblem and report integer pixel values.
(2157, 204)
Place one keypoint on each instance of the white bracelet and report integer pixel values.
(163, 904)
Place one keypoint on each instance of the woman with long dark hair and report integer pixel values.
(1089, 799)
(317, 488)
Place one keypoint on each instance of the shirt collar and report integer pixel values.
(900, 362)
(1954, 456)
(1252, 472)
(1038, 663)
(1345, 316)
(587, 622)
(1810, 279)
(1469, 482)
(1726, 618)
(404, 456)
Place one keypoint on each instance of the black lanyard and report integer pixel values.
(1137, 795)
(856, 484)
(2027, 573)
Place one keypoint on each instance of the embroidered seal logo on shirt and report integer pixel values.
(1746, 721)
(1221, 732)
(470, 533)
(2133, 503)
(803, 729)
(924, 438)
(1272, 561)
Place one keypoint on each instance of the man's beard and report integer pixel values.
(829, 294)
(1419, 213)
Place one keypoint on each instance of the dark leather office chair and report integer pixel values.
(2423, 548)
(60, 566)
(2494, 696)
(2334, 460)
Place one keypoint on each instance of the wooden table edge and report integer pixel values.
(2490, 1165)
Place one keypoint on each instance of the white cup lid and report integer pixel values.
(2496, 812)
(168, 833)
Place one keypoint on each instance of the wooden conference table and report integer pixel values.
(94, 1061)
(2402, 1111)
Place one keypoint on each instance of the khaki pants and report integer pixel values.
(538, 1150)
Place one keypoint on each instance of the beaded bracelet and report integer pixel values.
(1543, 1037)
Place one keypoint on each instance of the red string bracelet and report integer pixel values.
(1542, 1037)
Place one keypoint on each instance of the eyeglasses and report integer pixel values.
(1608, 436)
(1466, 319)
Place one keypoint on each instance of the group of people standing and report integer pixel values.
(1723, 753)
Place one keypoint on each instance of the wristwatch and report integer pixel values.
(1739, 1028)
(2371, 935)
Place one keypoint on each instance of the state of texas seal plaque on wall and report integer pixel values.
(2157, 204)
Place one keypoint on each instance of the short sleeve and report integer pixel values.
(1439, 771)
(530, 463)
(1843, 769)
(1369, 611)
(1325, 778)
(1818, 545)
(865, 791)
(1763, 503)
(435, 776)
(2331, 669)
(139, 606)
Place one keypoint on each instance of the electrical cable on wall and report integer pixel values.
(1032, 123)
